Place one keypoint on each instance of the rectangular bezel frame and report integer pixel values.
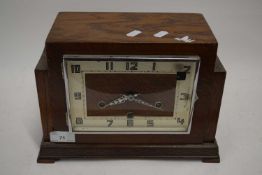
(161, 58)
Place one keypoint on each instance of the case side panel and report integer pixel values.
(215, 100)
(41, 74)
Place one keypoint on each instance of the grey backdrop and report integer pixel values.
(237, 24)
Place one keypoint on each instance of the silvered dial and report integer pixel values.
(158, 92)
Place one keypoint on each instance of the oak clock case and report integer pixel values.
(104, 94)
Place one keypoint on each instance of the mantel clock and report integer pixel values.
(129, 85)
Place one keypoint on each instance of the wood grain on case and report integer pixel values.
(78, 27)
(105, 33)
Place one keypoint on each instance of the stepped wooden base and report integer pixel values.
(51, 152)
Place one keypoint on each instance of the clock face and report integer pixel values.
(130, 94)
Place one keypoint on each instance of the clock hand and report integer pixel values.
(117, 101)
(124, 98)
(142, 102)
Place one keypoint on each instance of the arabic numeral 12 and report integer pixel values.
(131, 65)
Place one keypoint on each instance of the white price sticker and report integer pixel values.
(62, 136)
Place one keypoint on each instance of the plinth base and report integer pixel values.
(51, 152)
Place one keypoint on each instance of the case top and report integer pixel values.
(107, 27)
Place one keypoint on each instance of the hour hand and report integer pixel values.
(116, 101)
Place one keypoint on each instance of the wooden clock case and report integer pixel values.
(105, 34)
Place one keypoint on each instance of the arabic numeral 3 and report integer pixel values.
(184, 96)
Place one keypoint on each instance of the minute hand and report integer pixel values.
(140, 101)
